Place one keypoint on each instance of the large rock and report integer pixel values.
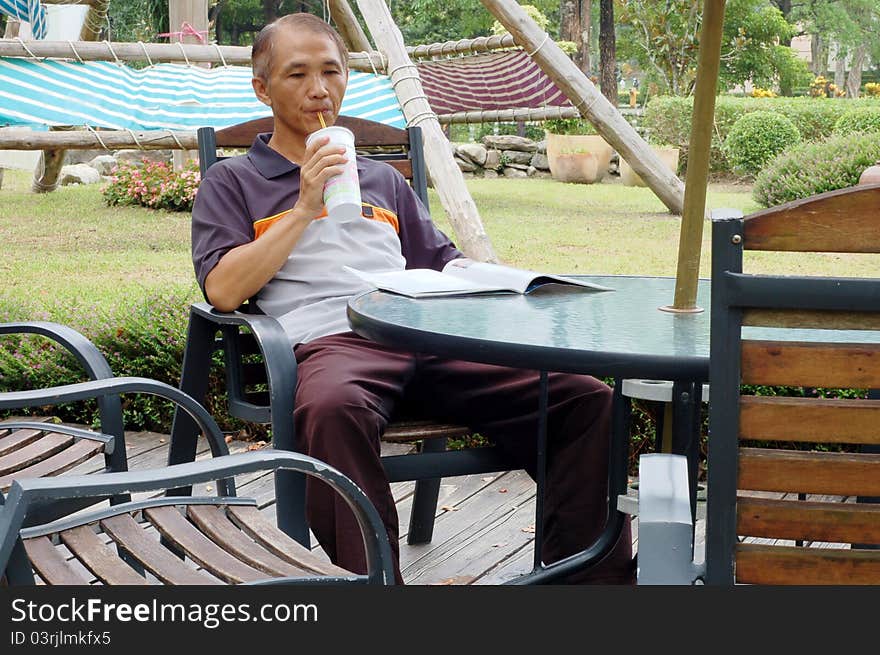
(509, 142)
(76, 156)
(540, 162)
(514, 173)
(466, 165)
(104, 164)
(474, 152)
(78, 174)
(516, 157)
(493, 160)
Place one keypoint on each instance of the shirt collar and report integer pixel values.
(271, 163)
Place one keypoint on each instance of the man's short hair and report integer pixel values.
(261, 51)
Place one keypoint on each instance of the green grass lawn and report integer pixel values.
(68, 245)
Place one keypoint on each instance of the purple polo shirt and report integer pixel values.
(242, 196)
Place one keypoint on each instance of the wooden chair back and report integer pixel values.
(794, 475)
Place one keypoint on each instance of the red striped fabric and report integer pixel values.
(498, 80)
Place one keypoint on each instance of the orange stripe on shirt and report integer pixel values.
(376, 214)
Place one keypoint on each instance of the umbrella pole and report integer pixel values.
(691, 235)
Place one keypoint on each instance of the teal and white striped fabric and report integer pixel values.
(42, 93)
(28, 11)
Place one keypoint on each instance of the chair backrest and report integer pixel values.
(402, 148)
(785, 462)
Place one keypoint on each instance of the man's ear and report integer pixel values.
(261, 91)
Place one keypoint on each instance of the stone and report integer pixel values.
(542, 146)
(514, 173)
(104, 164)
(78, 174)
(540, 161)
(472, 151)
(516, 157)
(77, 156)
(509, 142)
(465, 165)
(493, 159)
(490, 174)
(521, 167)
(531, 171)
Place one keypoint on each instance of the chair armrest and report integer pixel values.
(116, 386)
(32, 492)
(725, 214)
(89, 357)
(665, 524)
(278, 359)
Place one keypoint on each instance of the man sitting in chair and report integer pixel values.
(260, 229)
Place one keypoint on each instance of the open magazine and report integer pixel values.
(464, 277)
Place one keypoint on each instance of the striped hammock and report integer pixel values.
(42, 93)
(491, 81)
(27, 11)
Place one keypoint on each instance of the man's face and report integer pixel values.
(306, 77)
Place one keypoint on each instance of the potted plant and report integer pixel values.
(668, 155)
(575, 152)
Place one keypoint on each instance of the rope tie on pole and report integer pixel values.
(183, 52)
(176, 140)
(112, 51)
(535, 51)
(75, 53)
(420, 118)
(220, 54)
(146, 54)
(97, 136)
(134, 136)
(28, 50)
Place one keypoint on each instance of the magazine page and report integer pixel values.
(421, 282)
(508, 277)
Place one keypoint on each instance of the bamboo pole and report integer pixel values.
(447, 177)
(16, 139)
(348, 26)
(607, 120)
(462, 46)
(690, 242)
(155, 52)
(508, 115)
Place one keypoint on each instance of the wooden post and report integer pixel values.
(94, 20)
(348, 26)
(47, 171)
(691, 236)
(447, 177)
(593, 106)
(194, 12)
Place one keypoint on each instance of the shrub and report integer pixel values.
(756, 138)
(153, 184)
(872, 89)
(569, 126)
(860, 119)
(143, 337)
(810, 168)
(668, 119)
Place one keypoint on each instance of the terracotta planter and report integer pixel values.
(580, 168)
(870, 175)
(569, 146)
(668, 156)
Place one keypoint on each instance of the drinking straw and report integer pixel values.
(321, 118)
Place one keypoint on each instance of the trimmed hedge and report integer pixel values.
(144, 337)
(756, 138)
(668, 119)
(860, 119)
(809, 168)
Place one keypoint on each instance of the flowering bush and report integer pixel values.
(872, 89)
(758, 92)
(153, 184)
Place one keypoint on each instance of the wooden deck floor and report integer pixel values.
(484, 530)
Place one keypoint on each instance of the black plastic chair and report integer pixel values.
(261, 368)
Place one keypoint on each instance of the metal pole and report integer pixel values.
(691, 235)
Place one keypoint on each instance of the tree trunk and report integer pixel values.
(607, 51)
(854, 79)
(817, 55)
(839, 69)
(584, 40)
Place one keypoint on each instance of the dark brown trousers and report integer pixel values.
(349, 387)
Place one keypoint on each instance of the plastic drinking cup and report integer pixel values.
(342, 193)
